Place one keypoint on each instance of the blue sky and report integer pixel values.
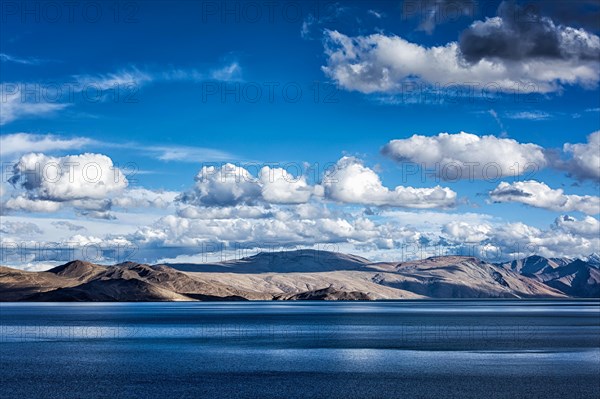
(186, 74)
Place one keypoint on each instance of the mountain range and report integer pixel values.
(307, 275)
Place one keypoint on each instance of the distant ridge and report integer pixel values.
(299, 261)
(535, 264)
(307, 275)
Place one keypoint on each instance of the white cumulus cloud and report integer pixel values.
(72, 177)
(281, 187)
(585, 158)
(231, 185)
(539, 195)
(22, 203)
(587, 227)
(468, 156)
(352, 182)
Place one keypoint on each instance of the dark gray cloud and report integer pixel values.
(518, 34)
(97, 214)
(511, 192)
(67, 226)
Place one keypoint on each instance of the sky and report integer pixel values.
(193, 131)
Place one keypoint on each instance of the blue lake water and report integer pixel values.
(403, 349)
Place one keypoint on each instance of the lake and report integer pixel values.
(397, 349)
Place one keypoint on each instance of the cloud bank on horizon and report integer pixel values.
(178, 156)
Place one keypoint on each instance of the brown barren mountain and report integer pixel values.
(305, 275)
